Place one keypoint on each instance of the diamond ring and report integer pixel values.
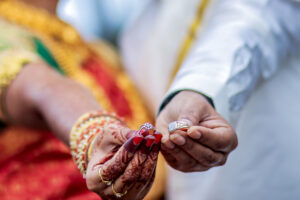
(178, 125)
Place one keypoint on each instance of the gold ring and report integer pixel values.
(118, 195)
(178, 125)
(108, 183)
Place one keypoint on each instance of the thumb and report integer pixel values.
(191, 107)
(192, 118)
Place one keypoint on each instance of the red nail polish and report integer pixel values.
(150, 140)
(147, 144)
(137, 140)
(144, 132)
(158, 137)
(130, 145)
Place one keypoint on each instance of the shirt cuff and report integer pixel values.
(211, 88)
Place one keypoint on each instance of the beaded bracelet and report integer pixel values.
(85, 131)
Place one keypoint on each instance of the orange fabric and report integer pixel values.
(114, 93)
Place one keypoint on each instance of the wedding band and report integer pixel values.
(108, 183)
(178, 125)
(117, 194)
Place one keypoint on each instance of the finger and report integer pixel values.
(115, 166)
(150, 163)
(119, 133)
(158, 137)
(190, 165)
(112, 168)
(162, 127)
(146, 188)
(199, 167)
(192, 115)
(178, 159)
(202, 154)
(133, 171)
(148, 172)
(219, 139)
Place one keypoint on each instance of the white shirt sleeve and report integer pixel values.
(243, 43)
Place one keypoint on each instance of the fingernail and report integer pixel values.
(177, 139)
(150, 140)
(167, 143)
(137, 140)
(189, 122)
(158, 137)
(147, 144)
(131, 146)
(195, 135)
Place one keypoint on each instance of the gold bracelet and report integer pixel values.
(90, 148)
(84, 132)
(12, 62)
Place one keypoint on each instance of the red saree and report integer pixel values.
(35, 165)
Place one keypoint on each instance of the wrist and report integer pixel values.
(18, 98)
(12, 62)
(184, 92)
(84, 133)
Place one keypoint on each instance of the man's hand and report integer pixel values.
(205, 144)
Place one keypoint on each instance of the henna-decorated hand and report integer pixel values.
(127, 159)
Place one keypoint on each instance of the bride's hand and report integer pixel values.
(122, 162)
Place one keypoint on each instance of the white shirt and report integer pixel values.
(247, 59)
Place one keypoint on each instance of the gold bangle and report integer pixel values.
(90, 148)
(83, 132)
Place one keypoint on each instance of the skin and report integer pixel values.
(49, 100)
(132, 166)
(205, 144)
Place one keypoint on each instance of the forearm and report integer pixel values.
(48, 100)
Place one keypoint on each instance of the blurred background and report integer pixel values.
(99, 18)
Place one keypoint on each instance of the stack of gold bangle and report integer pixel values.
(83, 135)
(12, 62)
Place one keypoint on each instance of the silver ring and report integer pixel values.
(146, 126)
(178, 125)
